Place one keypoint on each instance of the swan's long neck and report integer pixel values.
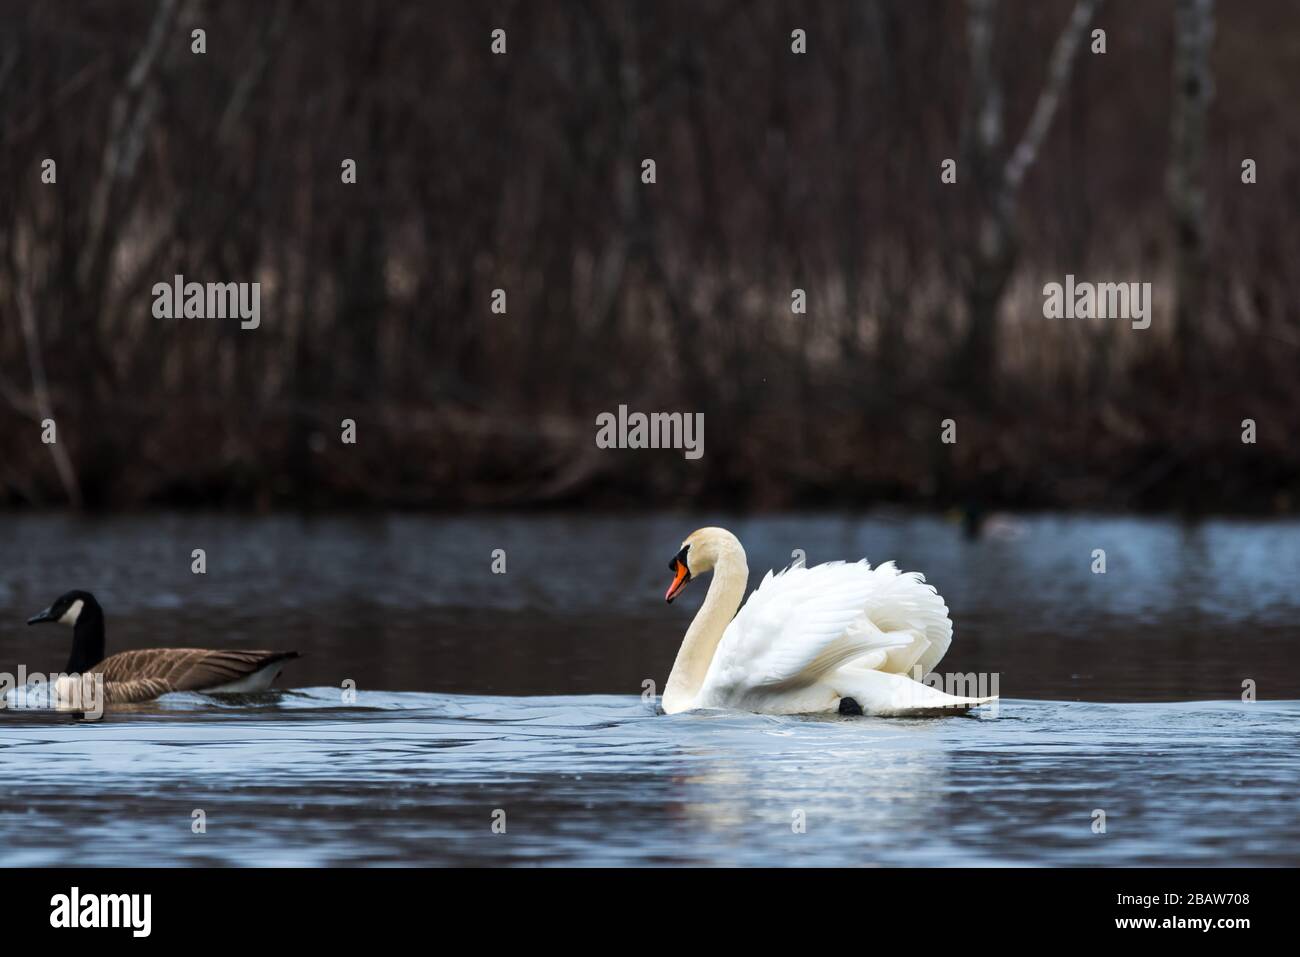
(730, 578)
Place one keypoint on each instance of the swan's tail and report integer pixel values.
(881, 693)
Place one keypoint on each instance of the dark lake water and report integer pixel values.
(521, 694)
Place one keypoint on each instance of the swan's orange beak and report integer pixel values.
(683, 575)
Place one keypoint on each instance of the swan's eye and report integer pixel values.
(680, 558)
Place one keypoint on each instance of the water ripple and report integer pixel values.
(403, 778)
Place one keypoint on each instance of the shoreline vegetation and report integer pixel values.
(840, 251)
(1061, 457)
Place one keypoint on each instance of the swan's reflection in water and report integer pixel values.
(823, 790)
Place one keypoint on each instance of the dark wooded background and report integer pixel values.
(775, 171)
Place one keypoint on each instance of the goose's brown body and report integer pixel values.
(145, 674)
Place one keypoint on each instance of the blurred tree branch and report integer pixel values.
(993, 256)
(1193, 89)
(41, 390)
(133, 109)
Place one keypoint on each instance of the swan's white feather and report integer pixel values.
(808, 637)
(798, 625)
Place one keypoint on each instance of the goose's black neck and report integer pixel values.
(87, 639)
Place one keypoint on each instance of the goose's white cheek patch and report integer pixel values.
(72, 614)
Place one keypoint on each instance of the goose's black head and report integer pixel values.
(79, 610)
(67, 609)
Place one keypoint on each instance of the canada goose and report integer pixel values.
(835, 637)
(147, 673)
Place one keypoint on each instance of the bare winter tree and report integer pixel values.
(997, 182)
(1193, 89)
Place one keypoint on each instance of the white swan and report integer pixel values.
(808, 639)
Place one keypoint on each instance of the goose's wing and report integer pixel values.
(798, 626)
(81, 692)
(134, 689)
(181, 669)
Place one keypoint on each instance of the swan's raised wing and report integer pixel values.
(804, 623)
(797, 626)
(904, 602)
